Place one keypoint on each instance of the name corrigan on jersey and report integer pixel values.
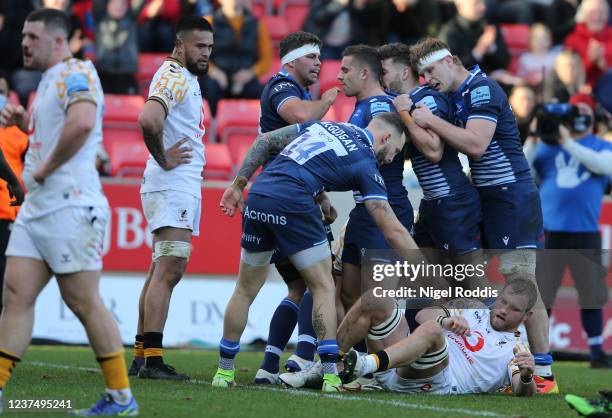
(405, 292)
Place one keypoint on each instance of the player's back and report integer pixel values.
(178, 92)
(446, 177)
(76, 182)
(480, 363)
(503, 162)
(324, 156)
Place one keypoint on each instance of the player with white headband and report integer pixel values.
(488, 135)
(284, 101)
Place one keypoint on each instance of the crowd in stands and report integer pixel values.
(539, 50)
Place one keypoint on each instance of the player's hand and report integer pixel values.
(175, 155)
(457, 325)
(40, 174)
(329, 211)
(402, 102)
(524, 361)
(422, 116)
(330, 95)
(231, 199)
(16, 193)
(12, 115)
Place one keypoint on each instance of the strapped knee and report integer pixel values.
(429, 360)
(179, 249)
(386, 328)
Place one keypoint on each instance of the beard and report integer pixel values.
(380, 156)
(194, 68)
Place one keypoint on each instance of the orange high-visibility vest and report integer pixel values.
(14, 144)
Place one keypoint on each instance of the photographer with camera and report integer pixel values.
(573, 167)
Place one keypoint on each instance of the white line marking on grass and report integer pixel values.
(294, 392)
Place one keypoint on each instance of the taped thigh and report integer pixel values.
(256, 259)
(310, 256)
(518, 263)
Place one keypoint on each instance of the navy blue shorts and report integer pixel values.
(451, 223)
(280, 256)
(362, 233)
(265, 227)
(511, 216)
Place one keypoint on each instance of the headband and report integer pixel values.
(433, 57)
(300, 52)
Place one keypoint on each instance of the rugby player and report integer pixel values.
(281, 212)
(60, 228)
(487, 133)
(172, 123)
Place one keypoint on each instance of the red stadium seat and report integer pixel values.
(295, 12)
(122, 109)
(328, 77)
(148, 64)
(277, 27)
(516, 37)
(238, 146)
(262, 8)
(218, 162)
(237, 117)
(127, 151)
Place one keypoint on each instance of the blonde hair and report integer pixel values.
(583, 7)
(425, 47)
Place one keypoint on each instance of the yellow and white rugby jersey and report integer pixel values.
(482, 362)
(178, 91)
(76, 182)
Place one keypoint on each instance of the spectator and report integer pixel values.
(156, 25)
(197, 7)
(539, 62)
(75, 37)
(510, 11)
(117, 44)
(567, 79)
(411, 20)
(592, 38)
(559, 17)
(337, 23)
(472, 40)
(242, 54)
(12, 16)
(522, 100)
(574, 172)
(14, 144)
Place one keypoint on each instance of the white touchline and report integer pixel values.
(293, 392)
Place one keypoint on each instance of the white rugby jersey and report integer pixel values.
(482, 362)
(76, 182)
(178, 91)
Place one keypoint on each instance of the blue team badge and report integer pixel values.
(76, 82)
(378, 107)
(480, 96)
(430, 102)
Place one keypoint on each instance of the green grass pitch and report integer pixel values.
(71, 373)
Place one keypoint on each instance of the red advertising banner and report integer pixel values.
(128, 242)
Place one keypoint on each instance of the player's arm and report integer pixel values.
(329, 211)
(14, 187)
(264, 146)
(522, 373)
(295, 110)
(456, 324)
(473, 140)
(80, 120)
(425, 140)
(151, 121)
(395, 233)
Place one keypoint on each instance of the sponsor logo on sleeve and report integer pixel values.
(480, 96)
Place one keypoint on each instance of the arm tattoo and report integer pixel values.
(379, 205)
(264, 146)
(155, 145)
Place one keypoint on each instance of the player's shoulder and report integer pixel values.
(483, 89)
(429, 97)
(170, 68)
(379, 104)
(281, 82)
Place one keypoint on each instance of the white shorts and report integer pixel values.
(69, 240)
(440, 384)
(172, 208)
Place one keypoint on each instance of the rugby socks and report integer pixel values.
(328, 353)
(227, 352)
(307, 338)
(7, 364)
(139, 348)
(592, 322)
(116, 377)
(153, 351)
(542, 364)
(378, 362)
(281, 327)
